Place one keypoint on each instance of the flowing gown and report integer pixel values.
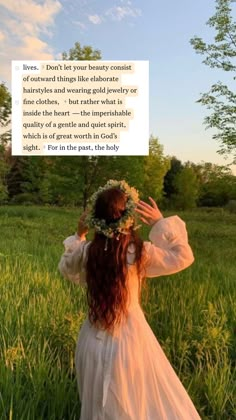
(126, 375)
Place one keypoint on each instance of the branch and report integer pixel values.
(232, 40)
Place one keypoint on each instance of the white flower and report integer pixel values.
(126, 221)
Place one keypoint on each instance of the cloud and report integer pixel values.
(24, 22)
(123, 10)
(33, 48)
(95, 19)
(119, 13)
(115, 13)
(30, 11)
(80, 24)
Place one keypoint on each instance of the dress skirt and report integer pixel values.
(126, 376)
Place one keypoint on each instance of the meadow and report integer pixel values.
(193, 315)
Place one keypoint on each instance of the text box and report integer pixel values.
(80, 107)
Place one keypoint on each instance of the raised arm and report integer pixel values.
(169, 251)
(72, 263)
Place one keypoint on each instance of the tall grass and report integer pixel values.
(193, 315)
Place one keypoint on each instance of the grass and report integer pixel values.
(193, 315)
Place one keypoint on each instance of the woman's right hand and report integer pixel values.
(149, 214)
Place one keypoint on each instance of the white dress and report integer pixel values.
(126, 375)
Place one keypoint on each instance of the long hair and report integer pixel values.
(106, 267)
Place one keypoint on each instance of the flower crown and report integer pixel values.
(125, 222)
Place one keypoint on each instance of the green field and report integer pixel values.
(193, 315)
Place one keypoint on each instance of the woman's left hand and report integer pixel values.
(149, 214)
(82, 227)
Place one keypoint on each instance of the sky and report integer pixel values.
(157, 31)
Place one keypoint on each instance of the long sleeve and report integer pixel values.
(169, 251)
(72, 263)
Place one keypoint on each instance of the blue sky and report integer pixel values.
(158, 31)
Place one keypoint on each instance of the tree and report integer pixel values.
(72, 179)
(217, 184)
(79, 53)
(3, 185)
(5, 105)
(130, 168)
(221, 100)
(25, 175)
(154, 169)
(187, 188)
(176, 166)
(15, 177)
(5, 112)
(5, 115)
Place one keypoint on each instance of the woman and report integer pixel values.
(122, 372)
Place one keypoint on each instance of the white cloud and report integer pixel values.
(33, 48)
(80, 24)
(30, 11)
(95, 19)
(118, 13)
(24, 21)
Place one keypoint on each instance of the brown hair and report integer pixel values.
(107, 270)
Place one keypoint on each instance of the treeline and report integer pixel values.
(70, 180)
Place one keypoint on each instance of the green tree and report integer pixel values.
(81, 53)
(25, 176)
(5, 113)
(15, 175)
(155, 167)
(5, 105)
(176, 166)
(221, 100)
(187, 189)
(130, 168)
(3, 184)
(72, 179)
(217, 184)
